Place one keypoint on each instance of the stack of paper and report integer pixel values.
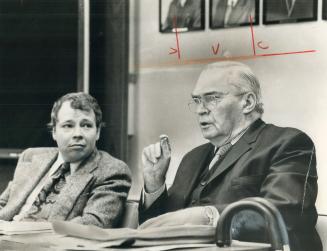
(125, 237)
(20, 227)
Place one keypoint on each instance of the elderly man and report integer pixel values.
(245, 158)
(73, 182)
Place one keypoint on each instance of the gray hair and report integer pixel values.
(241, 76)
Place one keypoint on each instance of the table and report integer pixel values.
(54, 242)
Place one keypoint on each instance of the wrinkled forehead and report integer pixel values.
(216, 80)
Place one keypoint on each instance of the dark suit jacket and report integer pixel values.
(275, 163)
(240, 13)
(277, 10)
(95, 194)
(187, 16)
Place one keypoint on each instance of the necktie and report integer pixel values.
(290, 6)
(52, 186)
(220, 154)
(230, 5)
(227, 14)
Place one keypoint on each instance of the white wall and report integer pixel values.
(294, 86)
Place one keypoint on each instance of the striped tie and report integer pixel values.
(220, 154)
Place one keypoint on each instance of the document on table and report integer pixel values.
(125, 237)
(24, 227)
(72, 236)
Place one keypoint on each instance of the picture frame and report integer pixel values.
(324, 9)
(185, 15)
(235, 13)
(289, 11)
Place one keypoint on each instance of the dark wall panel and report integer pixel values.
(109, 71)
(38, 63)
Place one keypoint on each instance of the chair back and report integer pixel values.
(322, 230)
(131, 217)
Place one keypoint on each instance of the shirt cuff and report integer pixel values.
(150, 198)
(212, 214)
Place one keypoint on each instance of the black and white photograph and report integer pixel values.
(185, 15)
(233, 13)
(116, 134)
(289, 11)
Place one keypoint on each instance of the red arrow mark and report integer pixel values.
(215, 50)
(173, 50)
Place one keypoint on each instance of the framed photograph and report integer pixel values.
(185, 15)
(289, 11)
(324, 9)
(233, 13)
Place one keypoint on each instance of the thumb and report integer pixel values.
(165, 146)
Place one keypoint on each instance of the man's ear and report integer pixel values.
(98, 133)
(53, 132)
(249, 102)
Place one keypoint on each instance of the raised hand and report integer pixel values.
(156, 159)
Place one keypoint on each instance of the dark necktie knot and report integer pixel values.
(224, 149)
(62, 170)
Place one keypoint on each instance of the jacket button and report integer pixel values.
(203, 183)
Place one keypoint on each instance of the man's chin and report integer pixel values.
(211, 136)
(208, 136)
(73, 157)
(208, 133)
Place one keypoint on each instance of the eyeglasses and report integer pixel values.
(208, 101)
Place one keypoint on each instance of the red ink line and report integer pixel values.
(211, 60)
(285, 53)
(177, 41)
(252, 33)
(215, 51)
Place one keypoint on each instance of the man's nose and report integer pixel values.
(201, 109)
(78, 132)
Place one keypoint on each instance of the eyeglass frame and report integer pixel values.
(216, 99)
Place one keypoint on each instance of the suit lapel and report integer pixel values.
(195, 167)
(240, 148)
(29, 174)
(39, 166)
(233, 155)
(75, 185)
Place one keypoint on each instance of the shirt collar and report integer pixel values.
(232, 3)
(73, 165)
(182, 2)
(234, 140)
(238, 136)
